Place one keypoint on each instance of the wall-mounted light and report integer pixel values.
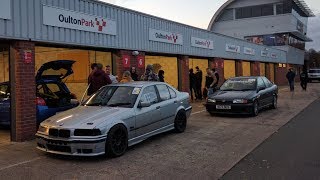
(135, 53)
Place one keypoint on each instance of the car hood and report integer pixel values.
(231, 95)
(58, 70)
(84, 117)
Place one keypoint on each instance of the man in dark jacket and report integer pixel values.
(192, 83)
(304, 79)
(134, 74)
(290, 76)
(198, 83)
(93, 69)
(209, 83)
(99, 79)
(149, 74)
(217, 77)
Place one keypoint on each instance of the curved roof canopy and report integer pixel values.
(300, 3)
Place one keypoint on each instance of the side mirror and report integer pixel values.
(144, 104)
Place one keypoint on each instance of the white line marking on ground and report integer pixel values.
(198, 112)
(20, 163)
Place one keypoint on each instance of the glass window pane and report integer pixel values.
(149, 95)
(238, 13)
(172, 93)
(246, 12)
(256, 11)
(279, 8)
(163, 92)
(226, 15)
(267, 10)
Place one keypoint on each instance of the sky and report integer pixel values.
(198, 13)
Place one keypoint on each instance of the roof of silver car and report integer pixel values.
(138, 83)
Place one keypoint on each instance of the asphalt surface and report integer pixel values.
(291, 153)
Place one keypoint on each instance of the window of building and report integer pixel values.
(254, 11)
(227, 15)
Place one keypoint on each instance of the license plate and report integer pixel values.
(223, 107)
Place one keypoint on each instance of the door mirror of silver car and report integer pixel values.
(144, 104)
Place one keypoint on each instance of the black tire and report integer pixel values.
(255, 108)
(274, 102)
(180, 122)
(117, 141)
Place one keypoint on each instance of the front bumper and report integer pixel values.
(70, 146)
(235, 108)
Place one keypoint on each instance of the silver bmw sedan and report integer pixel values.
(115, 117)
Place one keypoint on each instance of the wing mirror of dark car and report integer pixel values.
(143, 104)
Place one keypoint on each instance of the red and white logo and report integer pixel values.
(101, 24)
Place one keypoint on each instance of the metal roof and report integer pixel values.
(304, 7)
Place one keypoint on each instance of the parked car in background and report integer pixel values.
(115, 117)
(52, 94)
(243, 95)
(314, 74)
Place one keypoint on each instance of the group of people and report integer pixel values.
(99, 78)
(303, 78)
(211, 83)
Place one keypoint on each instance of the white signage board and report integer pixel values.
(165, 37)
(264, 53)
(201, 43)
(233, 48)
(5, 9)
(249, 51)
(58, 17)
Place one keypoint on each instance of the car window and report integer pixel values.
(149, 95)
(267, 82)
(3, 91)
(261, 83)
(173, 94)
(163, 92)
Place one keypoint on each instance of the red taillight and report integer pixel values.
(40, 101)
(73, 96)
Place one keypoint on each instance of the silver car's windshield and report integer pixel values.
(245, 84)
(114, 96)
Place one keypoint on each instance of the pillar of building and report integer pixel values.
(280, 75)
(23, 91)
(123, 60)
(218, 63)
(255, 68)
(239, 69)
(183, 65)
(268, 73)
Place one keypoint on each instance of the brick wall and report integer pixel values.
(183, 64)
(280, 76)
(255, 68)
(118, 62)
(23, 99)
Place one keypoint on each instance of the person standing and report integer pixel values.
(198, 83)
(192, 83)
(209, 82)
(161, 76)
(149, 75)
(304, 79)
(93, 69)
(134, 74)
(290, 76)
(126, 77)
(112, 77)
(216, 78)
(99, 79)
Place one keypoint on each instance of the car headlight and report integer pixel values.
(87, 132)
(212, 101)
(43, 129)
(240, 101)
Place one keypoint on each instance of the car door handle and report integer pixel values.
(158, 107)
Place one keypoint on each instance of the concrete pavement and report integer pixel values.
(292, 153)
(209, 148)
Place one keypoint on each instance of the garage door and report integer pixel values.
(78, 81)
(202, 64)
(272, 78)
(168, 64)
(229, 69)
(262, 69)
(246, 70)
